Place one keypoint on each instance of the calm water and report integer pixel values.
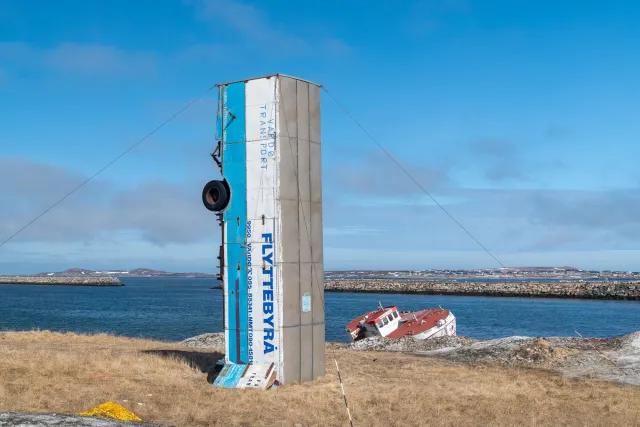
(174, 309)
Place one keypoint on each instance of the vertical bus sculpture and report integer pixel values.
(269, 204)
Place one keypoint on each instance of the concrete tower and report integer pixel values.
(270, 208)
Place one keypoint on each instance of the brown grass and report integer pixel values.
(163, 383)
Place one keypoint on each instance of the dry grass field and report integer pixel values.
(164, 383)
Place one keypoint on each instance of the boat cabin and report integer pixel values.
(385, 320)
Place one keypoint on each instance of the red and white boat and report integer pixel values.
(388, 322)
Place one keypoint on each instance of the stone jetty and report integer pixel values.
(60, 281)
(532, 289)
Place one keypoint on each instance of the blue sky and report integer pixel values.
(520, 117)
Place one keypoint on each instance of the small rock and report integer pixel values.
(211, 340)
(25, 419)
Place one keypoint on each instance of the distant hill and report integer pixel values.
(138, 272)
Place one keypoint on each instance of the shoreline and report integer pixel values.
(60, 281)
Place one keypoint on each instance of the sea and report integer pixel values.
(172, 309)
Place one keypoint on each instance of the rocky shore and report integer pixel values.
(533, 289)
(614, 359)
(60, 281)
(210, 340)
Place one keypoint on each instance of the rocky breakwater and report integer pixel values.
(60, 281)
(533, 289)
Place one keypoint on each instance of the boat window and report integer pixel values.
(395, 314)
(390, 317)
(380, 324)
(386, 321)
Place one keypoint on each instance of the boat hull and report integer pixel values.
(420, 325)
(447, 330)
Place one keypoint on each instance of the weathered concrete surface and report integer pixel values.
(32, 419)
(614, 359)
(69, 281)
(533, 289)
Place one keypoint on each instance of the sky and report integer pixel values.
(520, 119)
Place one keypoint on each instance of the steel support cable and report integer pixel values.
(140, 141)
(314, 271)
(621, 369)
(406, 172)
(424, 190)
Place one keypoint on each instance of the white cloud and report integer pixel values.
(201, 52)
(96, 58)
(250, 22)
(162, 213)
(347, 230)
(79, 58)
(258, 27)
(336, 46)
(427, 15)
